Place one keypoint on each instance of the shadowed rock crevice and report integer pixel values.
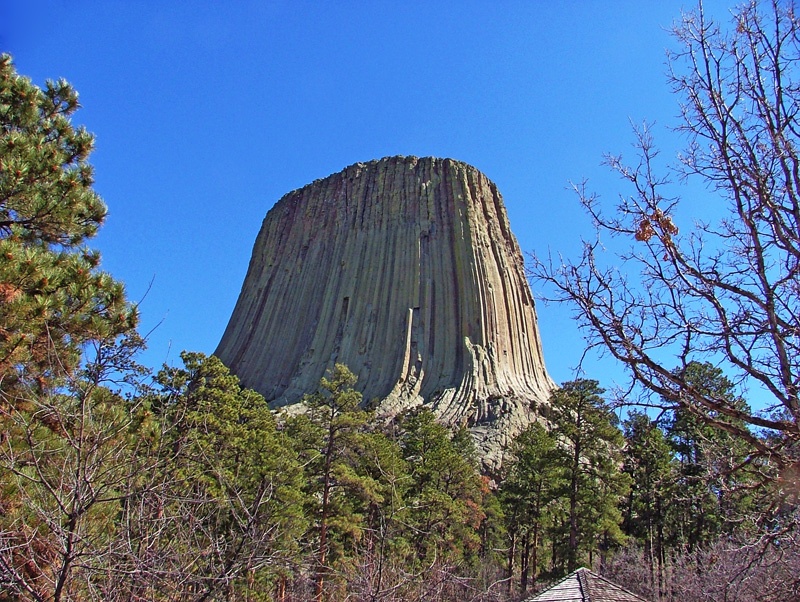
(405, 270)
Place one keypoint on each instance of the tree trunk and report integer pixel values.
(535, 551)
(572, 555)
(525, 562)
(281, 590)
(660, 553)
(323, 521)
(512, 551)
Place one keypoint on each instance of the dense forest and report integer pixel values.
(121, 482)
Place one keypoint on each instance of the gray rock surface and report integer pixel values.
(404, 269)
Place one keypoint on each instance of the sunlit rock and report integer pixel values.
(405, 270)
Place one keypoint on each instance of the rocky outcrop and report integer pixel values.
(405, 270)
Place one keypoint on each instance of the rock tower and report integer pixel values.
(405, 270)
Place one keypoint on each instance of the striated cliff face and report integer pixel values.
(405, 270)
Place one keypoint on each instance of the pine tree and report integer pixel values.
(53, 299)
(378, 483)
(63, 478)
(444, 498)
(535, 479)
(650, 505)
(586, 430)
(67, 339)
(218, 513)
(715, 467)
(330, 439)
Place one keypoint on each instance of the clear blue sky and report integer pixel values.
(206, 113)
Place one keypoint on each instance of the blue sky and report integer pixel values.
(206, 113)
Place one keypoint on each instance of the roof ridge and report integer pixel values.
(557, 583)
(590, 586)
(583, 583)
(587, 588)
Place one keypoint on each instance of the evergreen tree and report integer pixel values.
(654, 476)
(586, 431)
(65, 462)
(715, 469)
(66, 335)
(535, 480)
(219, 512)
(444, 499)
(378, 483)
(330, 439)
(53, 299)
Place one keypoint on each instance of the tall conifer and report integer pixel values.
(53, 298)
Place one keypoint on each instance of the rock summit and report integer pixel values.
(404, 269)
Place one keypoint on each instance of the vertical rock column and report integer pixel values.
(405, 270)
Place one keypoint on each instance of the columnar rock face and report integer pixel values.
(405, 270)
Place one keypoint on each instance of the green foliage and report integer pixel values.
(716, 473)
(444, 499)
(650, 512)
(536, 479)
(66, 336)
(53, 299)
(565, 486)
(46, 182)
(410, 501)
(64, 466)
(693, 483)
(586, 430)
(653, 471)
(192, 490)
(224, 507)
(336, 450)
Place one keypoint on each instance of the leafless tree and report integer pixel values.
(443, 582)
(63, 466)
(726, 292)
(103, 499)
(765, 570)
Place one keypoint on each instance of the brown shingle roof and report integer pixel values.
(585, 586)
